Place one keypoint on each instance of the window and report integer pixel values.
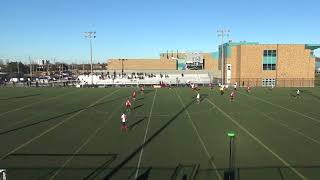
(269, 60)
(268, 82)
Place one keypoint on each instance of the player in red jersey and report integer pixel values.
(142, 89)
(232, 96)
(128, 105)
(134, 94)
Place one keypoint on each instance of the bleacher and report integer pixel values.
(135, 78)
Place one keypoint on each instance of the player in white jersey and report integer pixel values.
(198, 97)
(232, 96)
(248, 89)
(3, 175)
(221, 90)
(298, 93)
(123, 122)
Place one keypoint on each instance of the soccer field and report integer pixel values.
(67, 133)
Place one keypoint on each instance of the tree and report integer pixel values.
(12, 67)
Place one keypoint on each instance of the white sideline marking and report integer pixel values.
(259, 141)
(276, 105)
(286, 125)
(31, 104)
(54, 127)
(145, 135)
(200, 139)
(84, 144)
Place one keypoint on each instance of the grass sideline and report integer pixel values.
(277, 134)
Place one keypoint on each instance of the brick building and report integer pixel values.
(254, 64)
(247, 63)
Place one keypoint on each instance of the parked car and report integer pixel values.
(14, 80)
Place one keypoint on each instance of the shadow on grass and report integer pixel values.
(138, 106)
(139, 99)
(59, 155)
(93, 174)
(135, 152)
(204, 95)
(58, 116)
(145, 175)
(310, 94)
(136, 123)
(293, 95)
(98, 170)
(20, 97)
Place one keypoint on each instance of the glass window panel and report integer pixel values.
(274, 53)
(265, 60)
(265, 53)
(264, 66)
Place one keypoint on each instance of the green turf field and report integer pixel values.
(68, 134)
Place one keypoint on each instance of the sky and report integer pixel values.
(53, 29)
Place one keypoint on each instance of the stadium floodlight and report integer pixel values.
(90, 35)
(222, 33)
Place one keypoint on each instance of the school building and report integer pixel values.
(254, 64)
(247, 63)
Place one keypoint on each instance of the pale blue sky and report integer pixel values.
(144, 28)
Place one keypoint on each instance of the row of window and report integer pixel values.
(270, 53)
(268, 82)
(269, 60)
(269, 67)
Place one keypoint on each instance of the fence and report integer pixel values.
(244, 82)
(280, 82)
(66, 83)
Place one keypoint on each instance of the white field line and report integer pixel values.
(286, 125)
(37, 102)
(145, 135)
(54, 127)
(84, 144)
(259, 141)
(282, 107)
(200, 139)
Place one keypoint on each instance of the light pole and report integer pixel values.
(90, 35)
(222, 33)
(18, 63)
(122, 66)
(230, 174)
